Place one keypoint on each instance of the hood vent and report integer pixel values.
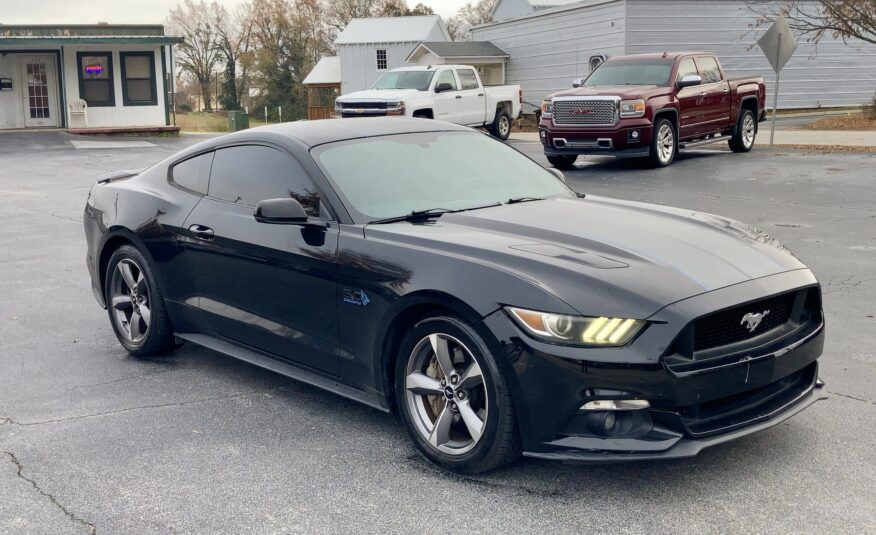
(570, 255)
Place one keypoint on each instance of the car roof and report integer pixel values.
(313, 133)
(657, 55)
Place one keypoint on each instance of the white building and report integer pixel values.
(120, 71)
(551, 42)
(368, 47)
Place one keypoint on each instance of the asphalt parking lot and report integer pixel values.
(92, 440)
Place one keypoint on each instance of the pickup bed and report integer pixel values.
(452, 93)
(651, 105)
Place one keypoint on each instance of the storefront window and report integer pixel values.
(96, 78)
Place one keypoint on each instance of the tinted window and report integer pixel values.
(628, 72)
(194, 173)
(687, 68)
(467, 79)
(249, 174)
(446, 77)
(709, 70)
(453, 170)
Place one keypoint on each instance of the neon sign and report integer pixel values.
(94, 68)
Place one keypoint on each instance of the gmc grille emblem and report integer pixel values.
(752, 320)
(581, 111)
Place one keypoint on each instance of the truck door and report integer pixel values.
(472, 104)
(447, 101)
(716, 93)
(690, 102)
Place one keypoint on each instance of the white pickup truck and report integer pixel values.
(452, 93)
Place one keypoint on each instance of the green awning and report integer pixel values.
(25, 41)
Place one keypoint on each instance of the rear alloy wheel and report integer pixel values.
(746, 130)
(135, 306)
(501, 127)
(564, 162)
(663, 145)
(453, 399)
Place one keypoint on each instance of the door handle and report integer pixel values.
(480, 94)
(201, 232)
(702, 93)
(458, 96)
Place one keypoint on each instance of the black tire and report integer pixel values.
(499, 442)
(564, 162)
(501, 127)
(746, 130)
(663, 148)
(158, 337)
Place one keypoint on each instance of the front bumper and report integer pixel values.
(615, 140)
(691, 408)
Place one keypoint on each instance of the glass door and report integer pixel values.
(40, 91)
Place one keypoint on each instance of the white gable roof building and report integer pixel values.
(369, 47)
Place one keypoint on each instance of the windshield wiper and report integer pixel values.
(429, 213)
(517, 200)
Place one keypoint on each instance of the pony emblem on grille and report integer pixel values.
(753, 319)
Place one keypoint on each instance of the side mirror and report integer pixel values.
(442, 87)
(284, 211)
(577, 82)
(689, 80)
(557, 173)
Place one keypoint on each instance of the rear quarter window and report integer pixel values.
(193, 174)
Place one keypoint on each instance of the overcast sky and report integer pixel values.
(129, 11)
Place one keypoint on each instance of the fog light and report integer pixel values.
(616, 405)
(542, 134)
(634, 134)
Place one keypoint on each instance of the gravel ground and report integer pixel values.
(92, 440)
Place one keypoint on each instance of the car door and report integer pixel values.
(690, 101)
(269, 287)
(471, 103)
(716, 93)
(446, 102)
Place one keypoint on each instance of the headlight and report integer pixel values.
(547, 109)
(338, 108)
(395, 107)
(578, 330)
(632, 108)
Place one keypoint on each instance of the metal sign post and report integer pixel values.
(778, 46)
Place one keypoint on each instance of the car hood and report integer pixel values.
(603, 256)
(622, 91)
(379, 94)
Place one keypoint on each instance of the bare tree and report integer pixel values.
(339, 13)
(232, 41)
(814, 20)
(471, 14)
(198, 53)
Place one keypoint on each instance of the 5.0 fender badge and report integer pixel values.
(356, 297)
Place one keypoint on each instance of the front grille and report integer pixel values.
(368, 105)
(729, 326)
(585, 112)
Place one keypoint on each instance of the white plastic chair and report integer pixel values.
(78, 115)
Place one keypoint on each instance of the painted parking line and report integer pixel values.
(79, 144)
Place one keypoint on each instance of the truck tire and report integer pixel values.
(501, 127)
(664, 145)
(564, 162)
(746, 129)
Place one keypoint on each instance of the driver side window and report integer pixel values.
(686, 68)
(446, 77)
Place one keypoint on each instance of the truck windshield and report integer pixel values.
(391, 176)
(418, 80)
(651, 72)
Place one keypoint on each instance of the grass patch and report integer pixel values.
(202, 122)
(852, 121)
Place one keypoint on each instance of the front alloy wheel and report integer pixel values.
(453, 398)
(445, 394)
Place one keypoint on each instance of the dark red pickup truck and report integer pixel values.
(651, 105)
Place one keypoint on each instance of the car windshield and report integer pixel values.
(652, 72)
(391, 176)
(418, 80)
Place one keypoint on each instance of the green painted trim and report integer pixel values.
(112, 80)
(125, 100)
(164, 86)
(58, 41)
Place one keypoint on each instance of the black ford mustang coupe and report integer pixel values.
(426, 268)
